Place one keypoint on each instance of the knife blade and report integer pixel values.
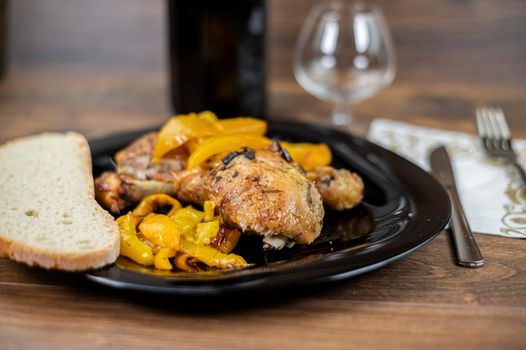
(467, 249)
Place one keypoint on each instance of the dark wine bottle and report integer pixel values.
(217, 56)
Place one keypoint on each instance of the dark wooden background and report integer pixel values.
(80, 62)
(99, 66)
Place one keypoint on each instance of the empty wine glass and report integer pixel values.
(344, 53)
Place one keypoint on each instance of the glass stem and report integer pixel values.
(341, 114)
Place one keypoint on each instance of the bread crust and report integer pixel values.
(35, 256)
(64, 261)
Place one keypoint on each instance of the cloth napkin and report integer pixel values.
(490, 190)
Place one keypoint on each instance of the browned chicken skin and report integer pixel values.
(339, 188)
(110, 192)
(136, 160)
(115, 191)
(257, 191)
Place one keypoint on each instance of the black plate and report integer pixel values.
(403, 208)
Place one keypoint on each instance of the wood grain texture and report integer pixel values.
(99, 67)
(104, 319)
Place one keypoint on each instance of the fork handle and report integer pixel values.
(521, 172)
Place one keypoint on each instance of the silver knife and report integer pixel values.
(468, 251)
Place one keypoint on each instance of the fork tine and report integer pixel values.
(486, 118)
(481, 125)
(493, 129)
(496, 137)
(494, 125)
(505, 141)
(501, 121)
(492, 115)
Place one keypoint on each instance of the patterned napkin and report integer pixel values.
(490, 190)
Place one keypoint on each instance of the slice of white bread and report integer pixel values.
(48, 214)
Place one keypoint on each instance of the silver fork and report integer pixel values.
(496, 138)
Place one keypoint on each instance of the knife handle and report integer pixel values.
(468, 252)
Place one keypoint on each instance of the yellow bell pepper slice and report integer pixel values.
(242, 125)
(131, 246)
(224, 143)
(179, 130)
(205, 231)
(181, 261)
(211, 256)
(161, 230)
(209, 116)
(209, 208)
(193, 144)
(185, 225)
(154, 202)
(186, 220)
(191, 213)
(309, 155)
(161, 261)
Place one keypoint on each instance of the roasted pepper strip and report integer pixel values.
(181, 262)
(309, 155)
(206, 231)
(131, 246)
(211, 256)
(161, 230)
(242, 125)
(161, 261)
(191, 213)
(155, 201)
(209, 208)
(224, 143)
(187, 219)
(226, 239)
(179, 130)
(209, 116)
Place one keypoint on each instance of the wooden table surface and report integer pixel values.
(99, 67)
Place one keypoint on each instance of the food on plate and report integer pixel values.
(48, 214)
(256, 185)
(339, 188)
(190, 237)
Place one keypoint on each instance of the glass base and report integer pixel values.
(341, 118)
